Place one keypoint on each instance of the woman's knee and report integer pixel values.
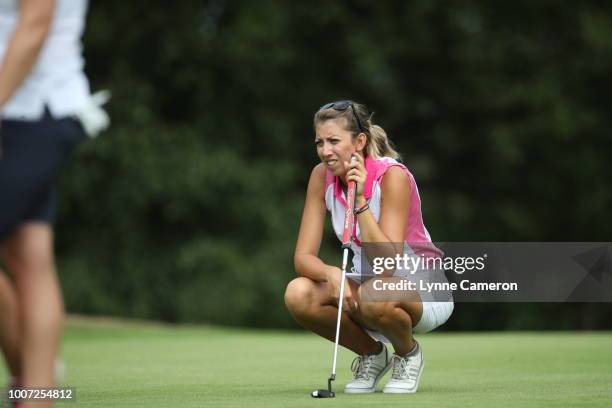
(373, 312)
(384, 314)
(299, 296)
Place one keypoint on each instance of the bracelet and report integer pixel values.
(362, 209)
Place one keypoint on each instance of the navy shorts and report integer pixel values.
(30, 160)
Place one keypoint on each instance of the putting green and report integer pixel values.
(117, 364)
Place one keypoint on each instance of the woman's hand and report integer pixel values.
(357, 173)
(334, 275)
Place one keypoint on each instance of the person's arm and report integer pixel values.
(35, 18)
(306, 258)
(395, 203)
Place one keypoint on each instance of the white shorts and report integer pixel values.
(435, 314)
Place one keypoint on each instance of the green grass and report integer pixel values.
(137, 365)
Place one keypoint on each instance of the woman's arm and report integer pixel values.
(395, 203)
(306, 258)
(35, 18)
(386, 236)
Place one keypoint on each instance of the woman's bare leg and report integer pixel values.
(311, 306)
(9, 326)
(394, 318)
(29, 256)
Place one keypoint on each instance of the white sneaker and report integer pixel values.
(406, 373)
(367, 371)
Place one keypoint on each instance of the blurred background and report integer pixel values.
(187, 209)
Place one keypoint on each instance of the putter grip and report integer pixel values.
(349, 215)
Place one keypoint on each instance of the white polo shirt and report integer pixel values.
(57, 79)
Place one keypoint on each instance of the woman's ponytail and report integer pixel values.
(379, 144)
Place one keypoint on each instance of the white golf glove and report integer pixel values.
(92, 116)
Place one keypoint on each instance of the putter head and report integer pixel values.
(328, 393)
(323, 394)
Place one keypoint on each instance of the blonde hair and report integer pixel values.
(357, 120)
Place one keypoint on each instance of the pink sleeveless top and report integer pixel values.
(416, 237)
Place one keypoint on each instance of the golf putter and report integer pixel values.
(347, 236)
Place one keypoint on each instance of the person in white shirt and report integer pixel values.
(45, 104)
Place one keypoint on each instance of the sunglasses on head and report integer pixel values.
(342, 106)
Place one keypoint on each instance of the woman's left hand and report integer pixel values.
(357, 173)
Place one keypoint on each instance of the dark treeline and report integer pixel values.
(187, 209)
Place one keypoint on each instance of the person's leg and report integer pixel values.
(394, 318)
(33, 153)
(9, 326)
(29, 257)
(311, 306)
(395, 315)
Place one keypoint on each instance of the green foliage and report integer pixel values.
(188, 208)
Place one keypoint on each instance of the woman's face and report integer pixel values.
(335, 145)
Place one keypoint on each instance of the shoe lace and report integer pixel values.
(404, 368)
(360, 367)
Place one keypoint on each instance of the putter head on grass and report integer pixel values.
(323, 394)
